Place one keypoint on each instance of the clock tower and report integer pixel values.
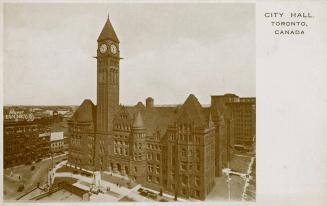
(108, 58)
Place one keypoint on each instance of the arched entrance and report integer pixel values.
(119, 167)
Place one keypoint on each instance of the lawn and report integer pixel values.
(66, 169)
(72, 170)
(69, 180)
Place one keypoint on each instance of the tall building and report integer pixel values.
(23, 143)
(243, 114)
(235, 120)
(168, 148)
(223, 121)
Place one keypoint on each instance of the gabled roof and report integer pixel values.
(108, 32)
(192, 110)
(157, 119)
(86, 112)
(154, 119)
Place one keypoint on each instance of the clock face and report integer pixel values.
(103, 48)
(113, 49)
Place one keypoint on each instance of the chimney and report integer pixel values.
(149, 102)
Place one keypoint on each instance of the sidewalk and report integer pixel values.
(166, 195)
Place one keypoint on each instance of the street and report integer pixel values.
(23, 175)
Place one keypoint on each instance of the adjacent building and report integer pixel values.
(243, 114)
(57, 142)
(22, 143)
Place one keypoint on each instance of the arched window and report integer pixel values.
(183, 152)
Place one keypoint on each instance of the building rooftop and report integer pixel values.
(86, 112)
(54, 136)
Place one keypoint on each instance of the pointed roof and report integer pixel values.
(85, 113)
(192, 109)
(138, 121)
(108, 32)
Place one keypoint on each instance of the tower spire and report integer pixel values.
(108, 32)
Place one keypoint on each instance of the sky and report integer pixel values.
(169, 51)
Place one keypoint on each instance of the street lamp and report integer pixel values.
(226, 171)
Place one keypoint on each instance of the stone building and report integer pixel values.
(82, 136)
(168, 148)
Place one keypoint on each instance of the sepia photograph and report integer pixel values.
(129, 102)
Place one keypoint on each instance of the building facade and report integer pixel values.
(243, 114)
(23, 143)
(57, 142)
(166, 148)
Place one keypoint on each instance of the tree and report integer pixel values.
(160, 192)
